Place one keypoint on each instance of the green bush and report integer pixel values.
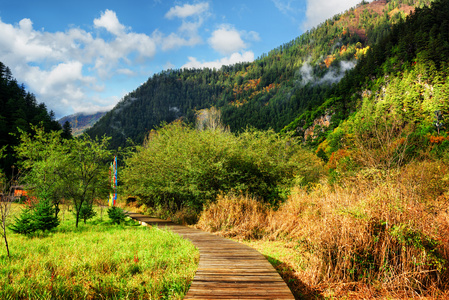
(179, 167)
(40, 217)
(24, 224)
(116, 214)
(86, 212)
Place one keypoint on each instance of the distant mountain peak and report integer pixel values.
(81, 121)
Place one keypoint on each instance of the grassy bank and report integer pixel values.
(97, 261)
(375, 234)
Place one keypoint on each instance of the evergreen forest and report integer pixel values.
(19, 111)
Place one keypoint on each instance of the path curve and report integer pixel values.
(227, 269)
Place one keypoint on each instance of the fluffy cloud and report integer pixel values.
(192, 17)
(174, 40)
(110, 22)
(66, 69)
(227, 40)
(320, 10)
(247, 56)
(187, 10)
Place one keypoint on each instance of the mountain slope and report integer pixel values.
(81, 122)
(403, 77)
(18, 111)
(268, 93)
(403, 94)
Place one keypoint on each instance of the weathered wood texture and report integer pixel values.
(227, 269)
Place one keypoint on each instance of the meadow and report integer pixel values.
(97, 260)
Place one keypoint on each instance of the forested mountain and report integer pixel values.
(402, 84)
(272, 91)
(81, 122)
(18, 109)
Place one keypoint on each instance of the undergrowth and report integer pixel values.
(381, 233)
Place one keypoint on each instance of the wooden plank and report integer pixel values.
(227, 269)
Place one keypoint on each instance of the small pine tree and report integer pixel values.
(87, 212)
(44, 216)
(24, 224)
(116, 214)
(66, 131)
(40, 217)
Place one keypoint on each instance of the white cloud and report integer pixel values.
(110, 22)
(252, 36)
(66, 69)
(125, 71)
(320, 10)
(247, 56)
(175, 41)
(333, 75)
(187, 10)
(192, 17)
(286, 7)
(227, 40)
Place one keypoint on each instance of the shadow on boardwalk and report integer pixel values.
(227, 269)
(299, 289)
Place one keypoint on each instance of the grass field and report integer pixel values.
(97, 261)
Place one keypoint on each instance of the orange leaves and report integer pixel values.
(337, 157)
(328, 61)
(247, 86)
(438, 139)
(272, 86)
(251, 85)
(238, 103)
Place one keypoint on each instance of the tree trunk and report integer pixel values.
(77, 216)
(6, 240)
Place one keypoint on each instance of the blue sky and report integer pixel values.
(84, 56)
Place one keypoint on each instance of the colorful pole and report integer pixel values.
(113, 176)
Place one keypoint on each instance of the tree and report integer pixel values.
(40, 154)
(87, 212)
(24, 222)
(39, 217)
(5, 206)
(83, 170)
(66, 131)
(59, 168)
(44, 216)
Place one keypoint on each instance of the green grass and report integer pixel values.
(97, 261)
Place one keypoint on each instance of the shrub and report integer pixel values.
(86, 212)
(382, 231)
(24, 224)
(183, 167)
(116, 214)
(235, 215)
(40, 217)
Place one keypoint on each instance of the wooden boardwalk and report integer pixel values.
(227, 269)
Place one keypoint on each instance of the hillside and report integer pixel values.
(19, 110)
(268, 93)
(81, 122)
(402, 81)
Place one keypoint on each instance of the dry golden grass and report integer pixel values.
(232, 216)
(376, 234)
